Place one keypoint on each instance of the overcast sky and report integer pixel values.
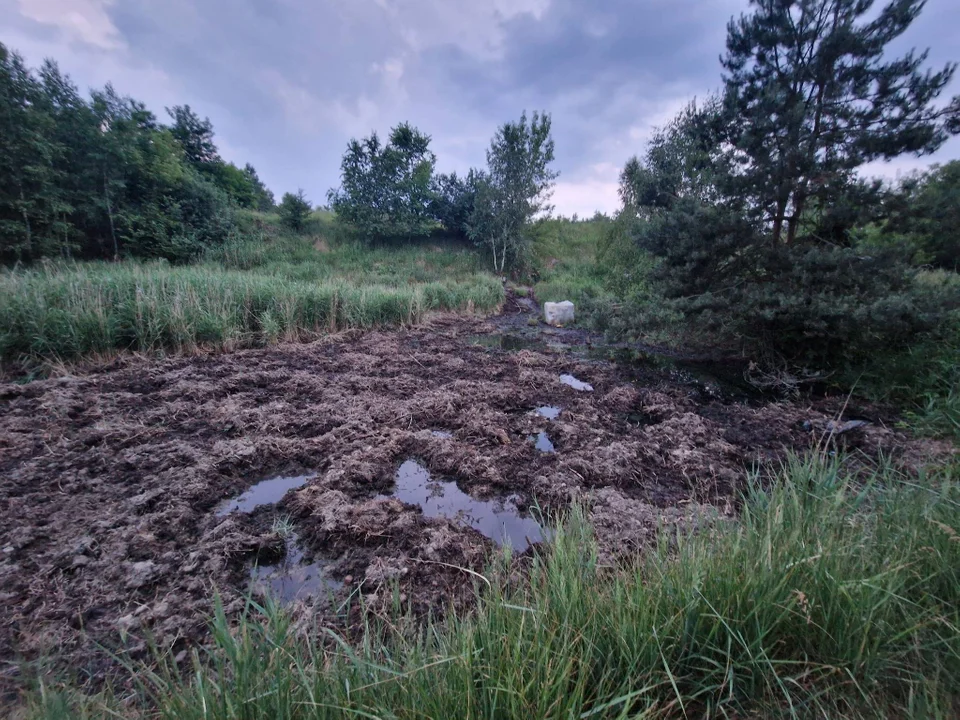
(288, 82)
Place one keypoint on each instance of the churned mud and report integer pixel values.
(395, 461)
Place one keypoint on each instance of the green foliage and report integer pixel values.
(567, 267)
(328, 255)
(454, 199)
(386, 190)
(294, 210)
(811, 94)
(195, 136)
(263, 199)
(248, 292)
(834, 595)
(513, 191)
(682, 160)
(233, 181)
(101, 178)
(748, 205)
(924, 379)
(598, 265)
(813, 306)
(924, 214)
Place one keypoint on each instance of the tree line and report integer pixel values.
(102, 177)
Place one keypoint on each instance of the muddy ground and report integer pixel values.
(110, 480)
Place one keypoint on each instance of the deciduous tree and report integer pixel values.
(386, 189)
(515, 189)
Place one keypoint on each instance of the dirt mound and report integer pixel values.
(109, 482)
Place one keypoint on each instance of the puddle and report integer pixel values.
(550, 412)
(576, 384)
(266, 492)
(543, 444)
(441, 434)
(509, 342)
(642, 419)
(499, 520)
(290, 578)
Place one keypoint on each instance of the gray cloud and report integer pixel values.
(288, 82)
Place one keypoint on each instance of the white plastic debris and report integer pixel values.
(559, 313)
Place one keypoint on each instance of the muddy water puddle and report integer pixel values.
(543, 443)
(266, 492)
(712, 379)
(550, 412)
(291, 578)
(508, 342)
(576, 384)
(499, 520)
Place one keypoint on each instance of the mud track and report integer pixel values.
(109, 480)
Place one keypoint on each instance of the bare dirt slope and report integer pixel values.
(109, 481)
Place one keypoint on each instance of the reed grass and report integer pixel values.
(68, 311)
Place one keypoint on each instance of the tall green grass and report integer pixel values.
(565, 254)
(833, 595)
(67, 311)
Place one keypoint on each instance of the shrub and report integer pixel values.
(815, 305)
(387, 189)
(294, 210)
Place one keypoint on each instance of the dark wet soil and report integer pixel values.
(114, 483)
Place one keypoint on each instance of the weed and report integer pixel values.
(282, 527)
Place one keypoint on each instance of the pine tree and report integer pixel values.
(810, 96)
(295, 210)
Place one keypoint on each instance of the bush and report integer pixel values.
(924, 379)
(294, 210)
(386, 189)
(819, 306)
(924, 213)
